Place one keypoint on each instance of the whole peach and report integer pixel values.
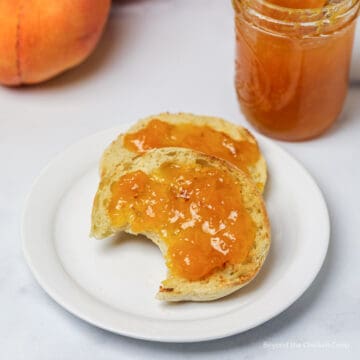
(42, 38)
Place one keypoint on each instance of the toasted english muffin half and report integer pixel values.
(221, 281)
(114, 154)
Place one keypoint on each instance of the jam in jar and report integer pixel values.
(292, 64)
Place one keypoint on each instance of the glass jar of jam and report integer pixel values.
(292, 65)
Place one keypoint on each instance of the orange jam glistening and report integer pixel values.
(300, 4)
(197, 211)
(292, 63)
(159, 134)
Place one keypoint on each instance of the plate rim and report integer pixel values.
(61, 300)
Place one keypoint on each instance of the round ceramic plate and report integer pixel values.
(112, 284)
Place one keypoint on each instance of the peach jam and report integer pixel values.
(197, 211)
(300, 4)
(159, 134)
(292, 63)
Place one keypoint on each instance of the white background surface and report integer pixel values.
(171, 55)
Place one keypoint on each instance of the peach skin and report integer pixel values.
(39, 39)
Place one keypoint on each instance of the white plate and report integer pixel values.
(112, 284)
